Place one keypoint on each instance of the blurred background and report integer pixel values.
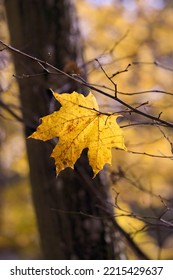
(133, 41)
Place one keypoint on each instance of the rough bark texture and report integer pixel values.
(48, 30)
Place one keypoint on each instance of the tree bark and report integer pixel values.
(71, 220)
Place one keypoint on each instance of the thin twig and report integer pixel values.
(150, 155)
(10, 111)
(109, 78)
(156, 63)
(122, 71)
(167, 138)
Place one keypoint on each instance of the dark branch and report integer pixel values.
(134, 110)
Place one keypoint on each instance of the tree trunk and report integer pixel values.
(68, 207)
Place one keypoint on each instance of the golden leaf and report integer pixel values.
(79, 125)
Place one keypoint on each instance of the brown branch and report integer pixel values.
(137, 124)
(122, 71)
(118, 42)
(145, 91)
(109, 78)
(133, 93)
(167, 138)
(10, 111)
(86, 181)
(136, 111)
(150, 155)
(156, 63)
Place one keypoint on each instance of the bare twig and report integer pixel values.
(10, 111)
(150, 155)
(109, 78)
(156, 63)
(122, 71)
(167, 138)
(145, 91)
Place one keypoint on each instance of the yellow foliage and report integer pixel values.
(80, 125)
(18, 223)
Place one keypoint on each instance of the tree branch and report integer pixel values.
(77, 78)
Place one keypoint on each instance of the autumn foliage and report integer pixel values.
(79, 124)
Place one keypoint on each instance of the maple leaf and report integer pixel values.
(79, 125)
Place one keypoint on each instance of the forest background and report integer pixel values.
(132, 41)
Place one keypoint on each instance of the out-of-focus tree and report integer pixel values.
(49, 30)
(18, 233)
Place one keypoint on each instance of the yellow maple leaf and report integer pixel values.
(79, 125)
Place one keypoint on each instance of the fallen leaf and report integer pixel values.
(79, 125)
